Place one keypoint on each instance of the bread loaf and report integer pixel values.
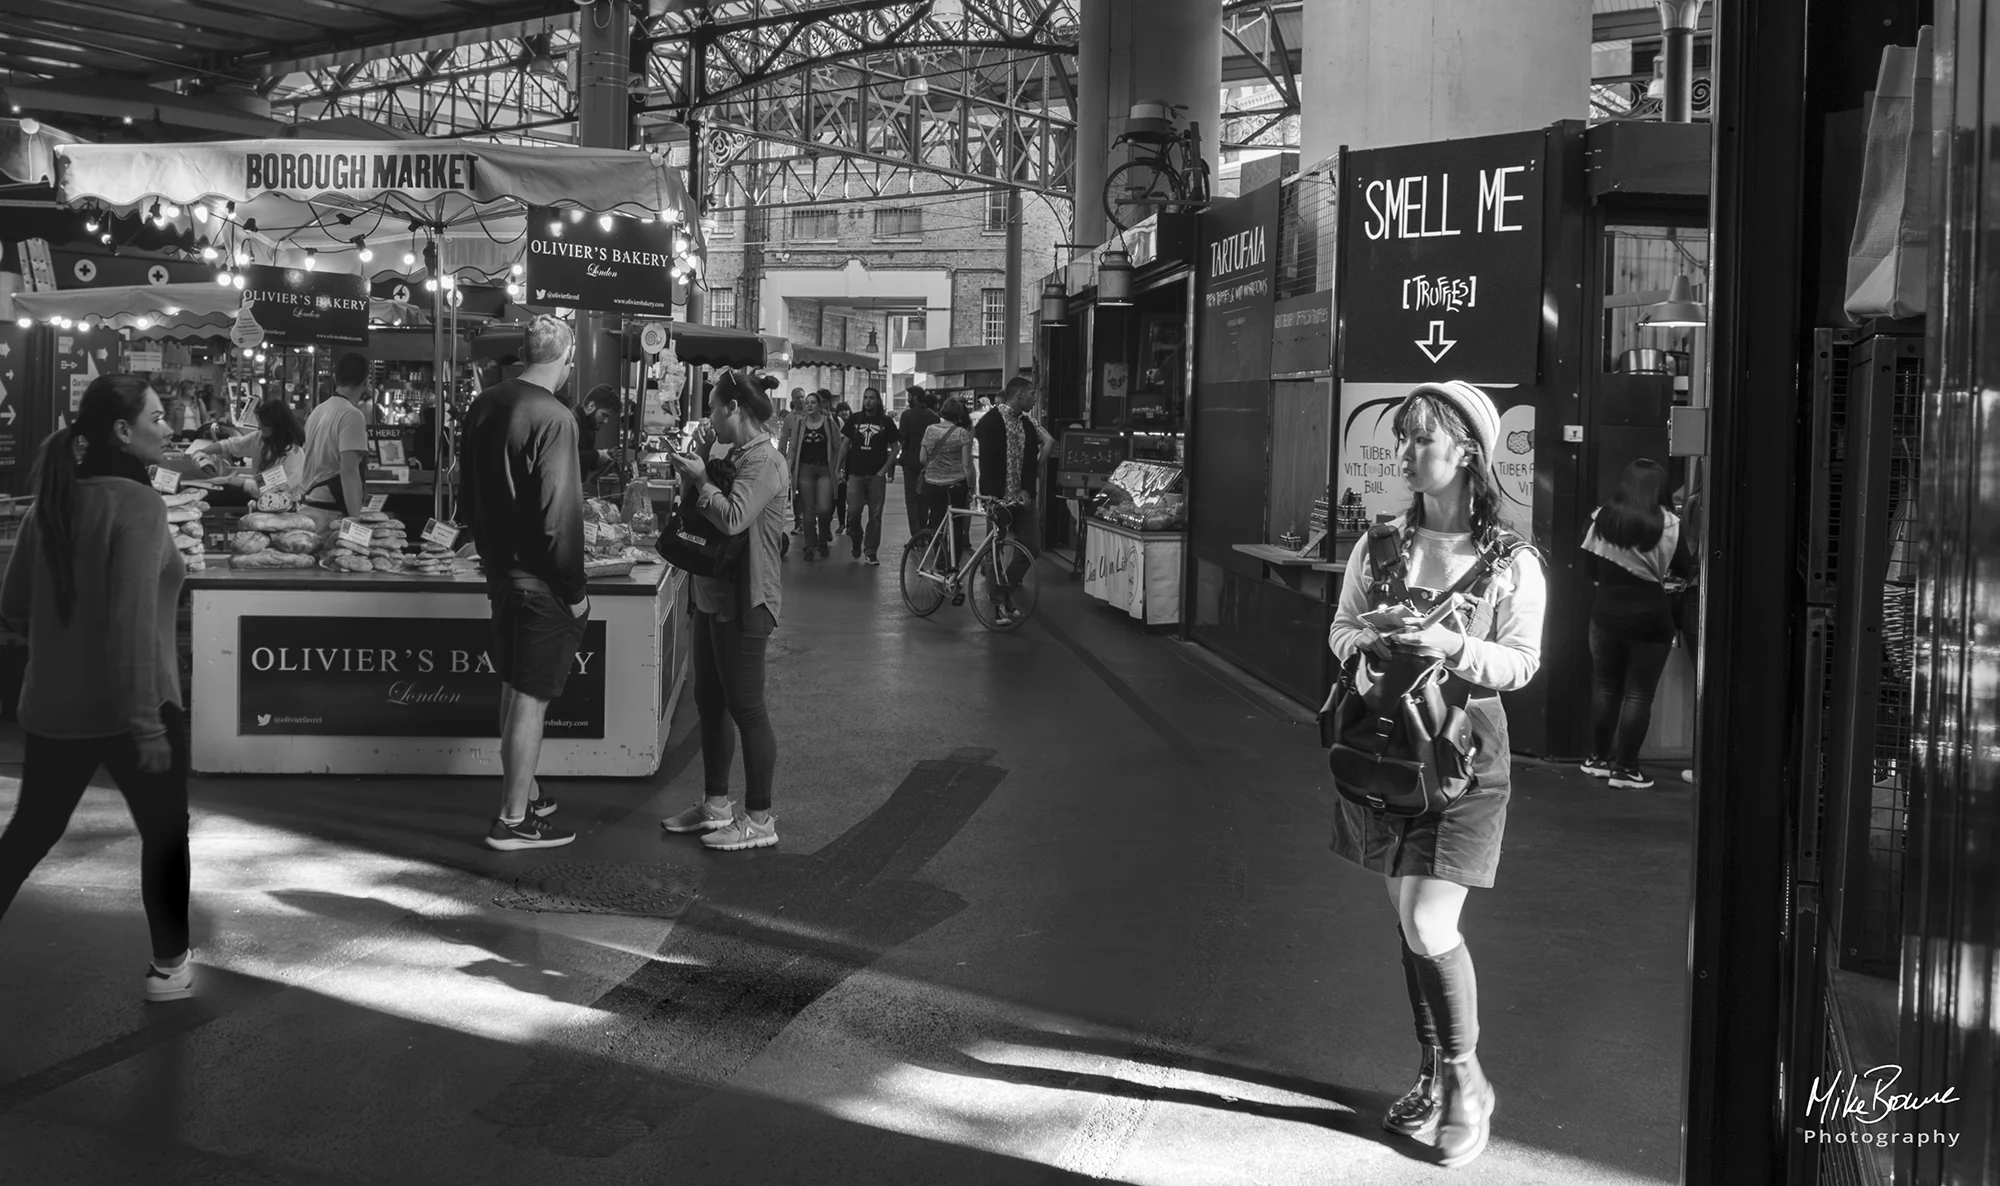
(265, 521)
(248, 543)
(300, 542)
(181, 498)
(342, 561)
(191, 513)
(271, 560)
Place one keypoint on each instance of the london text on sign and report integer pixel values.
(583, 263)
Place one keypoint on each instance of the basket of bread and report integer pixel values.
(607, 541)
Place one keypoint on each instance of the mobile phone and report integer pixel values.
(685, 444)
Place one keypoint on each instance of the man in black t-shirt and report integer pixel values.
(910, 429)
(872, 445)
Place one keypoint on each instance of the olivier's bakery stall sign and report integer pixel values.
(301, 308)
(1444, 261)
(607, 263)
(1239, 249)
(393, 677)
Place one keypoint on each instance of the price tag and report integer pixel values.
(273, 478)
(357, 536)
(591, 532)
(444, 535)
(165, 480)
(375, 503)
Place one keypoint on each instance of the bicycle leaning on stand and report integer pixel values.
(998, 573)
(1166, 172)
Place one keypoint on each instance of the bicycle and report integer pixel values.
(1156, 180)
(999, 573)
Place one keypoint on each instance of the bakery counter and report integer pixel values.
(309, 671)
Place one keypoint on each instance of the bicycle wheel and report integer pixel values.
(1000, 605)
(1137, 189)
(920, 593)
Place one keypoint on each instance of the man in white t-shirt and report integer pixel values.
(337, 445)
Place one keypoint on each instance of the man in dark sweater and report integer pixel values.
(872, 444)
(915, 421)
(524, 496)
(1010, 432)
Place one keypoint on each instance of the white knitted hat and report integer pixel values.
(1475, 405)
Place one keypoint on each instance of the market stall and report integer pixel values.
(332, 605)
(313, 671)
(308, 204)
(1135, 540)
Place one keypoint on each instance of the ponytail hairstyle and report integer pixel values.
(109, 399)
(753, 397)
(1482, 485)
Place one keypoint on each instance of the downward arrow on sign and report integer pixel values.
(1437, 346)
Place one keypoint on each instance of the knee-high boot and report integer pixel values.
(1469, 1098)
(1416, 1113)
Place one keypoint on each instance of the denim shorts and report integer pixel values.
(1460, 844)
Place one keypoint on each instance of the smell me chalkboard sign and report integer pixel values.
(1444, 261)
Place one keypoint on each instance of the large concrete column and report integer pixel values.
(1128, 50)
(1382, 72)
(604, 31)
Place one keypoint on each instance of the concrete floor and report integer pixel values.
(1049, 906)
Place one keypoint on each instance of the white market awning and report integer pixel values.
(323, 195)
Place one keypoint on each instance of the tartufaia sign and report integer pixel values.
(1443, 261)
(301, 308)
(577, 263)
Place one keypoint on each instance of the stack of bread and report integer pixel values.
(273, 539)
(388, 539)
(607, 542)
(434, 559)
(184, 511)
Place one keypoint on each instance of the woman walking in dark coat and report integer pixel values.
(1632, 551)
(1446, 433)
(93, 583)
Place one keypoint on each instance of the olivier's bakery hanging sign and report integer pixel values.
(603, 262)
(301, 308)
(393, 677)
(1443, 272)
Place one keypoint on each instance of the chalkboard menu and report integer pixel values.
(1088, 457)
(1238, 263)
(1444, 261)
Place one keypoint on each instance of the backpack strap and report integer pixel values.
(1385, 560)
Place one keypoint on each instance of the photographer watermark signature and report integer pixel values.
(1869, 1098)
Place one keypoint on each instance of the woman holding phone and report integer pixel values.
(93, 583)
(734, 617)
(1446, 435)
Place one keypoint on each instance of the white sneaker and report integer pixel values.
(700, 818)
(743, 832)
(176, 985)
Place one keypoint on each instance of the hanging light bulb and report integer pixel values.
(260, 357)
(104, 238)
(200, 213)
(430, 286)
(25, 322)
(172, 311)
(680, 244)
(83, 327)
(90, 223)
(222, 278)
(237, 280)
(409, 259)
(310, 349)
(518, 269)
(362, 243)
(576, 214)
(143, 322)
(555, 228)
(208, 252)
(312, 258)
(173, 211)
(154, 213)
(242, 257)
(666, 216)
